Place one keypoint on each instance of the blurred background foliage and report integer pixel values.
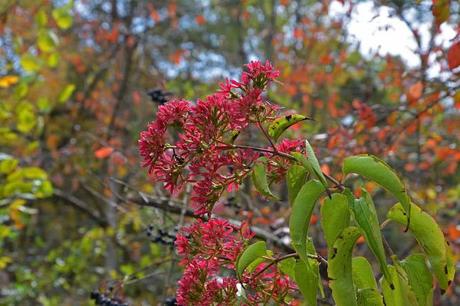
(78, 213)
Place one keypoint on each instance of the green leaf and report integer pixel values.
(53, 60)
(314, 164)
(26, 120)
(340, 267)
(47, 40)
(7, 163)
(369, 297)
(430, 238)
(295, 178)
(279, 125)
(420, 278)
(30, 63)
(399, 293)
(363, 276)
(366, 217)
(301, 214)
(378, 171)
(287, 266)
(249, 255)
(66, 93)
(41, 18)
(259, 177)
(335, 217)
(63, 17)
(307, 280)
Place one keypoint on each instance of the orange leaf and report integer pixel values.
(176, 57)
(103, 152)
(298, 33)
(360, 240)
(172, 8)
(414, 93)
(314, 219)
(200, 20)
(453, 56)
(453, 232)
(409, 167)
(154, 15)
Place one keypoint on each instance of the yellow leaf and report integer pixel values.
(8, 80)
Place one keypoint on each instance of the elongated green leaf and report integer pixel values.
(335, 216)
(249, 255)
(399, 293)
(295, 178)
(369, 297)
(66, 93)
(300, 215)
(340, 265)
(430, 238)
(314, 264)
(363, 276)
(377, 170)
(307, 280)
(313, 161)
(420, 278)
(366, 217)
(279, 125)
(259, 177)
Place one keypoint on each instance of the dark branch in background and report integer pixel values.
(80, 205)
(174, 207)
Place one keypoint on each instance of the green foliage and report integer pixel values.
(281, 124)
(430, 238)
(377, 170)
(335, 216)
(252, 253)
(365, 216)
(300, 215)
(307, 280)
(340, 267)
(295, 179)
(259, 177)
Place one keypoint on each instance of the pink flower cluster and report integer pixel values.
(200, 149)
(209, 249)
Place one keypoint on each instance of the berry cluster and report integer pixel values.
(158, 96)
(104, 300)
(161, 236)
(170, 302)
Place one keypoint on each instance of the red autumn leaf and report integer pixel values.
(200, 20)
(103, 152)
(360, 240)
(298, 33)
(172, 9)
(414, 93)
(453, 56)
(410, 167)
(453, 232)
(314, 219)
(154, 15)
(176, 57)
